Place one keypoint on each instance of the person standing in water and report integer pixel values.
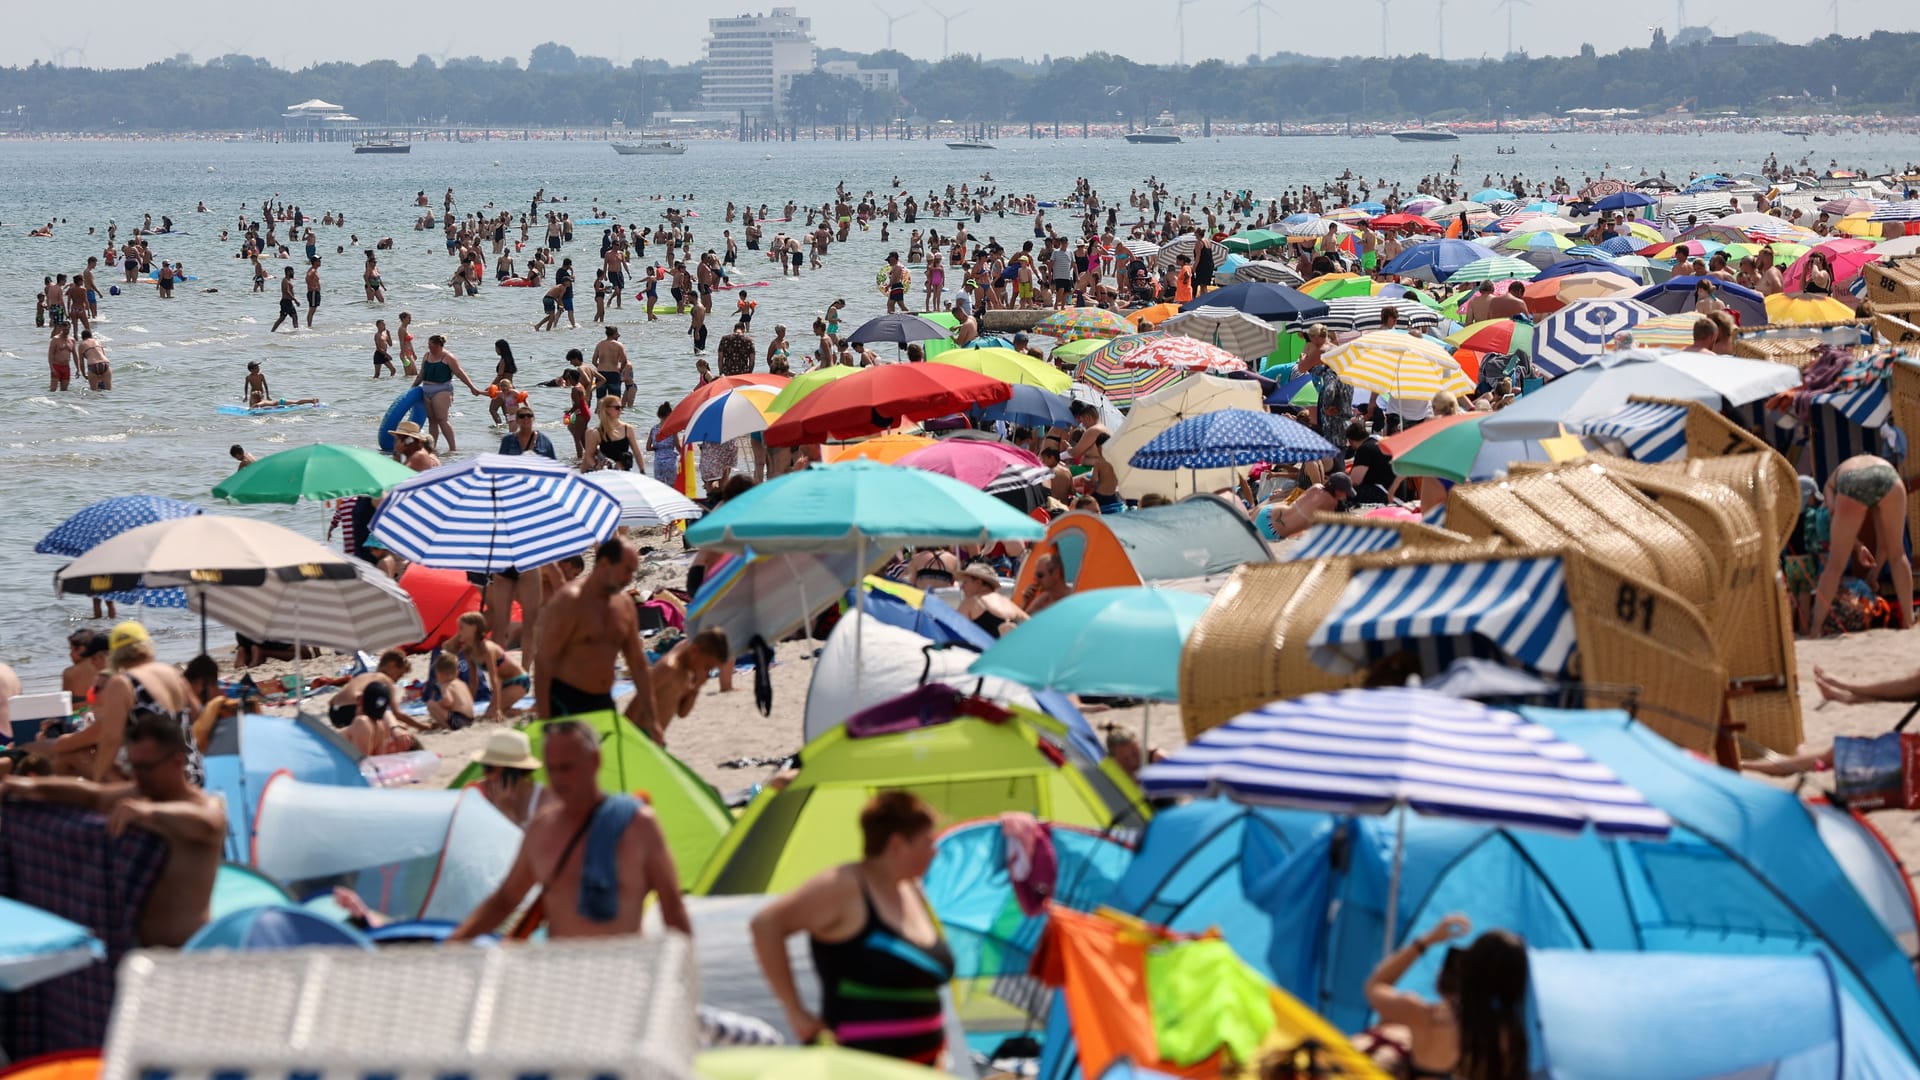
(313, 289)
(436, 386)
(383, 349)
(288, 308)
(59, 360)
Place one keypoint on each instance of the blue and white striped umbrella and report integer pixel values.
(1231, 437)
(1581, 331)
(1332, 541)
(1369, 751)
(1900, 211)
(494, 513)
(1643, 430)
(1518, 608)
(109, 518)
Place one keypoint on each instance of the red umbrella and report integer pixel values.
(682, 413)
(880, 397)
(1405, 221)
(971, 461)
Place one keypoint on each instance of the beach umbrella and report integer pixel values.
(1436, 260)
(1497, 268)
(751, 595)
(898, 328)
(1900, 211)
(1846, 257)
(1230, 438)
(1584, 328)
(367, 611)
(1274, 303)
(109, 518)
(1075, 351)
(37, 945)
(1083, 322)
(1494, 336)
(804, 1063)
(1457, 209)
(1361, 313)
(1224, 329)
(206, 549)
(1170, 350)
(1195, 395)
(800, 386)
(1847, 205)
(1265, 270)
(1529, 222)
(1601, 386)
(1551, 294)
(276, 926)
(321, 471)
(1303, 232)
(677, 419)
(643, 500)
(1665, 332)
(1407, 367)
(1334, 286)
(1032, 406)
(1675, 295)
(1107, 371)
(885, 449)
(1857, 225)
(1137, 249)
(1254, 240)
(1899, 246)
(1117, 642)
(1624, 245)
(853, 503)
(877, 398)
(1588, 252)
(1455, 448)
(1600, 189)
(976, 462)
(1169, 253)
(1394, 749)
(1536, 241)
(1578, 265)
(1419, 204)
(1490, 195)
(1696, 248)
(942, 319)
(1622, 199)
(1685, 205)
(1012, 368)
(495, 512)
(1406, 221)
(1798, 308)
(1154, 314)
(736, 414)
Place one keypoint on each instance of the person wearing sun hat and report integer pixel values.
(413, 448)
(507, 764)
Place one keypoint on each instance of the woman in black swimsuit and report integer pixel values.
(610, 442)
(982, 603)
(876, 947)
(1477, 1030)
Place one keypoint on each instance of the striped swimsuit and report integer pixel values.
(881, 993)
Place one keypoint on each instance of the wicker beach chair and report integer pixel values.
(1904, 391)
(1411, 535)
(1243, 652)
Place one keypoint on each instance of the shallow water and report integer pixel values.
(175, 361)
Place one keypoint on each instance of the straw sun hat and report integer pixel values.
(409, 430)
(508, 750)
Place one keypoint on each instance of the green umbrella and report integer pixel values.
(801, 385)
(1074, 350)
(321, 471)
(1339, 287)
(942, 319)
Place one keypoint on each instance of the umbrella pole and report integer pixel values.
(1393, 877)
(859, 615)
(1146, 731)
(203, 621)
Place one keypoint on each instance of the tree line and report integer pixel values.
(555, 87)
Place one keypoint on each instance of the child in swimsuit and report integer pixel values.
(453, 709)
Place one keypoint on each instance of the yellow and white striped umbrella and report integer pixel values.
(1405, 366)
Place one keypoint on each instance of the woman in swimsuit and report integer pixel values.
(407, 357)
(610, 442)
(665, 449)
(1819, 279)
(138, 684)
(936, 282)
(1861, 486)
(876, 947)
(981, 602)
(435, 381)
(1478, 1028)
(484, 656)
(370, 277)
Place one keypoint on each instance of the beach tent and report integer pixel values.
(1196, 537)
(965, 767)
(410, 853)
(1807, 1024)
(245, 751)
(237, 887)
(274, 927)
(691, 813)
(1303, 896)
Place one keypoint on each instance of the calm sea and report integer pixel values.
(175, 361)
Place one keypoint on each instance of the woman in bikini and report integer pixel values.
(609, 442)
(1860, 486)
(579, 408)
(484, 656)
(435, 381)
(1477, 1030)
(407, 357)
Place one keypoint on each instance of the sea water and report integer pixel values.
(175, 361)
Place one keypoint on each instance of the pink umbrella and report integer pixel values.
(975, 462)
(1846, 256)
(1182, 354)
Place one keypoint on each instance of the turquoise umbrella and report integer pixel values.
(1119, 642)
(37, 945)
(849, 504)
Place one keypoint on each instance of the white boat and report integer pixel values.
(650, 147)
(971, 146)
(1430, 134)
(1160, 132)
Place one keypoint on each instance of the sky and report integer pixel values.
(131, 33)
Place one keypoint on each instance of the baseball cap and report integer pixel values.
(1340, 484)
(127, 633)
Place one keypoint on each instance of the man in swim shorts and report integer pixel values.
(313, 288)
(588, 625)
(59, 360)
(288, 309)
(610, 359)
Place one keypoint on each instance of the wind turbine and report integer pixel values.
(946, 27)
(891, 19)
(1257, 7)
(1440, 30)
(1180, 25)
(1510, 5)
(1384, 23)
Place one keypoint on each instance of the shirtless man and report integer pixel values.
(313, 288)
(344, 705)
(59, 360)
(88, 651)
(587, 626)
(678, 677)
(77, 304)
(610, 359)
(161, 800)
(288, 309)
(1089, 451)
(554, 850)
(93, 291)
(93, 360)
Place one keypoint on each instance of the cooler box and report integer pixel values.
(30, 711)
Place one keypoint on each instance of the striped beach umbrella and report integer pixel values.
(644, 500)
(735, 414)
(1272, 273)
(1106, 370)
(1498, 268)
(1170, 252)
(1665, 332)
(494, 513)
(1582, 330)
(367, 611)
(1229, 333)
(1083, 322)
(1900, 211)
(1642, 430)
(1408, 367)
(1364, 312)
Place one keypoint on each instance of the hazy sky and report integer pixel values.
(126, 33)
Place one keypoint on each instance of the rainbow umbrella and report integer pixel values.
(1537, 241)
(733, 415)
(1083, 322)
(1454, 448)
(1665, 332)
(1494, 336)
(1105, 370)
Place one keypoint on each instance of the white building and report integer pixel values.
(751, 59)
(886, 80)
